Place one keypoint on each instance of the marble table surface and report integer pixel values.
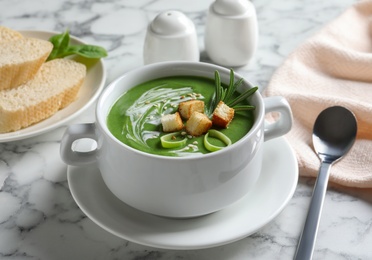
(39, 219)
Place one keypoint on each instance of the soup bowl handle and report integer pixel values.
(283, 124)
(74, 133)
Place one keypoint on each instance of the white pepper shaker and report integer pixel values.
(231, 34)
(171, 36)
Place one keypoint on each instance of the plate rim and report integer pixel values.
(23, 133)
(175, 246)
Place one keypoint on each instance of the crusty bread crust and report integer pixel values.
(55, 86)
(186, 108)
(21, 59)
(222, 115)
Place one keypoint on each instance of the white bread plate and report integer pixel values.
(89, 92)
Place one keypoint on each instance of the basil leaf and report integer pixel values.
(88, 51)
(62, 48)
(60, 43)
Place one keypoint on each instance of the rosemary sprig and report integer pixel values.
(244, 108)
(219, 89)
(240, 98)
(226, 94)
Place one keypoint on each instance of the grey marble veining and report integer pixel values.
(39, 218)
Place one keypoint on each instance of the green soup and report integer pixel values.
(135, 118)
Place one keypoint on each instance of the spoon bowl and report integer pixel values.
(334, 134)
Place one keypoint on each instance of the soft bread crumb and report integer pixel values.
(222, 115)
(186, 108)
(7, 34)
(54, 87)
(198, 124)
(21, 59)
(172, 122)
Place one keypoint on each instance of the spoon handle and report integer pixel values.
(307, 240)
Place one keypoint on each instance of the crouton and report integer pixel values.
(222, 115)
(198, 124)
(172, 122)
(186, 108)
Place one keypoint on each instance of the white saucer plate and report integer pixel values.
(89, 92)
(273, 191)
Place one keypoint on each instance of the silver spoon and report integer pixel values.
(334, 134)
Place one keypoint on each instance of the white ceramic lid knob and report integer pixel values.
(231, 7)
(171, 36)
(172, 23)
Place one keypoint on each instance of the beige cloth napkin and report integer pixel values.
(334, 67)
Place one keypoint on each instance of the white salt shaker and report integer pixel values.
(231, 33)
(171, 36)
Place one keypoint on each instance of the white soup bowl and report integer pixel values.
(176, 186)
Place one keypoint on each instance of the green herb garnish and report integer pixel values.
(62, 48)
(226, 94)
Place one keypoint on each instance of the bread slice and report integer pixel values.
(7, 34)
(55, 86)
(21, 59)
